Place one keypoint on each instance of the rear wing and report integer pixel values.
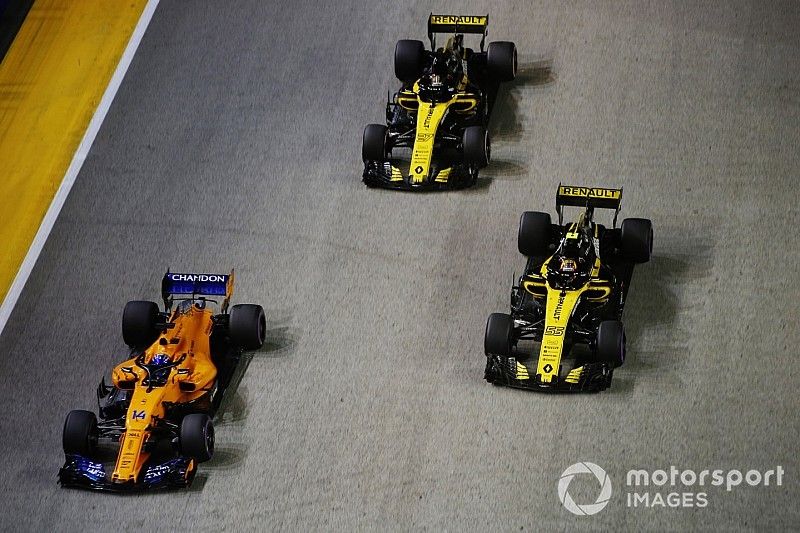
(175, 283)
(457, 24)
(590, 197)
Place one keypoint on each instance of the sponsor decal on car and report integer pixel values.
(198, 277)
(590, 192)
(463, 20)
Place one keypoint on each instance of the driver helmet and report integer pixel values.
(160, 359)
(158, 370)
(572, 263)
(439, 80)
(568, 266)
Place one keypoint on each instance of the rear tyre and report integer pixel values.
(477, 146)
(247, 326)
(637, 239)
(80, 433)
(374, 145)
(408, 59)
(139, 323)
(497, 340)
(197, 437)
(535, 230)
(611, 343)
(501, 59)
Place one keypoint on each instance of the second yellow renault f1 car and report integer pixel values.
(570, 298)
(441, 112)
(162, 399)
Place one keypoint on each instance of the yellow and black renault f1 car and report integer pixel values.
(162, 399)
(441, 112)
(570, 298)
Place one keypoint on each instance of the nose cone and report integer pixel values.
(130, 458)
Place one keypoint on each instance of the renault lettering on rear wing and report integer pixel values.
(457, 23)
(599, 197)
(588, 197)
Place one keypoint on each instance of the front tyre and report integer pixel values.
(501, 60)
(611, 343)
(247, 326)
(374, 146)
(80, 433)
(477, 146)
(497, 339)
(197, 437)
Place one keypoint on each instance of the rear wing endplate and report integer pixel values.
(456, 24)
(594, 197)
(175, 283)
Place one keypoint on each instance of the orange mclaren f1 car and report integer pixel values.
(160, 405)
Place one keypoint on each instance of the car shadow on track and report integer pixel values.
(506, 125)
(654, 339)
(225, 458)
(280, 341)
(508, 170)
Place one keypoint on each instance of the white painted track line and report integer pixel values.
(75, 166)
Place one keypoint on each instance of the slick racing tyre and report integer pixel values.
(637, 239)
(247, 326)
(501, 59)
(374, 145)
(497, 340)
(534, 233)
(197, 437)
(477, 146)
(408, 60)
(611, 343)
(80, 433)
(139, 324)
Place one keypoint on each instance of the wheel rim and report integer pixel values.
(210, 439)
(622, 360)
(514, 62)
(262, 328)
(487, 148)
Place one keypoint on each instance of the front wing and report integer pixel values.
(507, 371)
(81, 472)
(386, 175)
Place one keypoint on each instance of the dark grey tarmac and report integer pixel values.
(234, 142)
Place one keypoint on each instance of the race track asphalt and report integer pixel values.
(234, 142)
